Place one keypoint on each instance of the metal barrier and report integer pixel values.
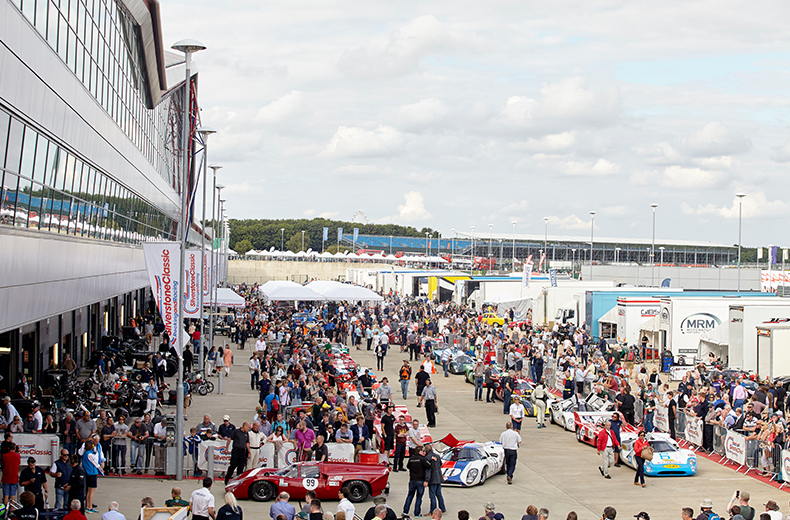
(719, 436)
(639, 412)
(680, 426)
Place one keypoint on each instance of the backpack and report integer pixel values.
(713, 516)
(275, 405)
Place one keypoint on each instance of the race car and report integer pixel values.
(469, 463)
(588, 424)
(460, 363)
(562, 410)
(669, 459)
(496, 371)
(491, 318)
(325, 478)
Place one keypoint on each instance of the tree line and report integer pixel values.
(260, 234)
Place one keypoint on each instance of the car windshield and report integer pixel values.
(463, 360)
(524, 386)
(291, 472)
(461, 454)
(662, 446)
(311, 471)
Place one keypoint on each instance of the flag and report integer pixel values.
(665, 282)
(527, 274)
(206, 276)
(356, 234)
(191, 307)
(162, 261)
(774, 250)
(339, 234)
(326, 234)
(553, 277)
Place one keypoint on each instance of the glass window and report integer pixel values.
(28, 153)
(41, 159)
(22, 202)
(62, 32)
(29, 10)
(14, 152)
(51, 170)
(8, 198)
(52, 25)
(68, 175)
(41, 17)
(5, 120)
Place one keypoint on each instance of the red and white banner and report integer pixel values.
(192, 284)
(162, 261)
(694, 430)
(770, 281)
(206, 276)
(735, 447)
(527, 274)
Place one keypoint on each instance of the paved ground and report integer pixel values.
(554, 470)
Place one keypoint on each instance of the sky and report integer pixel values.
(452, 114)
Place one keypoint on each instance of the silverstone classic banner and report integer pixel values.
(162, 262)
(192, 283)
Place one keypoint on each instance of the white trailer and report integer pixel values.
(773, 350)
(743, 321)
(567, 297)
(632, 313)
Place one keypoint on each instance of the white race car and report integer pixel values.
(561, 412)
(669, 459)
(468, 463)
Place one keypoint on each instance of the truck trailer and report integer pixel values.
(742, 324)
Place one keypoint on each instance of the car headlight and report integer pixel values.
(648, 464)
(692, 461)
(471, 476)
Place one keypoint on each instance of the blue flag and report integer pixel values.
(665, 282)
(553, 277)
(326, 234)
(339, 234)
(356, 234)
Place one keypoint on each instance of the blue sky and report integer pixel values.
(458, 114)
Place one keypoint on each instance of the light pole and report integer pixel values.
(390, 244)
(592, 228)
(204, 133)
(740, 215)
(282, 239)
(662, 260)
(472, 253)
(426, 244)
(513, 256)
(653, 249)
(438, 242)
(188, 47)
(213, 274)
(490, 238)
(303, 240)
(573, 262)
(452, 248)
(546, 239)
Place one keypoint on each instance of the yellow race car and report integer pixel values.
(490, 318)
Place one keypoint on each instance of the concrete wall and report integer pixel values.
(695, 278)
(261, 271)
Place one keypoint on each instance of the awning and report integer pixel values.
(609, 317)
(651, 325)
(224, 297)
(340, 292)
(286, 291)
(717, 336)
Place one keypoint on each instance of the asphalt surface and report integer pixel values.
(554, 470)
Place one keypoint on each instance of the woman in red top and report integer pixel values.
(639, 445)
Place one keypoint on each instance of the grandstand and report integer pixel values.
(558, 248)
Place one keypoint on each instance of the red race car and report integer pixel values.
(325, 478)
(588, 424)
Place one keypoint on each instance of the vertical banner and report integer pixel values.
(162, 262)
(356, 234)
(192, 284)
(694, 430)
(773, 254)
(540, 262)
(527, 274)
(339, 234)
(206, 276)
(326, 234)
(553, 277)
(785, 469)
(735, 448)
(661, 419)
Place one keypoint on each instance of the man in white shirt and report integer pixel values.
(414, 439)
(201, 503)
(510, 441)
(257, 440)
(160, 433)
(260, 344)
(345, 504)
(516, 412)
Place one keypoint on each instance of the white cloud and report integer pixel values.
(715, 139)
(723, 163)
(281, 109)
(678, 177)
(413, 208)
(552, 143)
(329, 214)
(601, 167)
(424, 177)
(518, 111)
(755, 205)
(422, 114)
(308, 213)
(350, 141)
(359, 170)
(614, 211)
(569, 222)
(782, 153)
(570, 99)
(243, 188)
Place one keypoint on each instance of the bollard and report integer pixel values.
(219, 382)
(54, 445)
(210, 461)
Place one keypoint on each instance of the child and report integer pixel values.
(191, 446)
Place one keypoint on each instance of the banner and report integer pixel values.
(162, 262)
(665, 282)
(553, 277)
(326, 234)
(206, 275)
(39, 447)
(661, 418)
(339, 234)
(785, 465)
(735, 447)
(192, 284)
(694, 430)
(356, 234)
(222, 459)
(527, 274)
(287, 455)
(339, 452)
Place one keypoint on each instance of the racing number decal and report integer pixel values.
(310, 483)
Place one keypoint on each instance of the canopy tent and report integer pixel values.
(609, 317)
(498, 298)
(520, 306)
(224, 297)
(337, 291)
(282, 290)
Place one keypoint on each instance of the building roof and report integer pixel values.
(146, 14)
(508, 237)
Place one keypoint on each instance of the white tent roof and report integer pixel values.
(651, 325)
(326, 254)
(225, 297)
(609, 317)
(717, 336)
(281, 290)
(497, 299)
(337, 291)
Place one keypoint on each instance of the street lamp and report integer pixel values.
(490, 238)
(213, 274)
(204, 133)
(546, 239)
(513, 255)
(303, 240)
(452, 248)
(740, 215)
(592, 228)
(472, 254)
(653, 249)
(390, 244)
(188, 47)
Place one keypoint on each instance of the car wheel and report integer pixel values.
(358, 491)
(483, 476)
(551, 418)
(262, 491)
(470, 378)
(579, 435)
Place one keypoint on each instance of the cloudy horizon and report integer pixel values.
(459, 114)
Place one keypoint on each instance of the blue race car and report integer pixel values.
(669, 459)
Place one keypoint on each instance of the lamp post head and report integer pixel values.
(188, 46)
(654, 205)
(546, 220)
(592, 213)
(220, 187)
(205, 131)
(740, 195)
(215, 167)
(513, 222)
(222, 201)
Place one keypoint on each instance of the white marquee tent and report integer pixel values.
(224, 297)
(337, 291)
(282, 290)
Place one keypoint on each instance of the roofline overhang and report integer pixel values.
(147, 15)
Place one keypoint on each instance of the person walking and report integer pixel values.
(510, 440)
(421, 380)
(34, 480)
(479, 378)
(640, 444)
(540, 397)
(240, 451)
(606, 442)
(430, 397)
(201, 502)
(405, 376)
(419, 468)
(435, 480)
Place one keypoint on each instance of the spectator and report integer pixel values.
(92, 463)
(282, 507)
(491, 514)
(175, 499)
(201, 503)
(10, 462)
(75, 514)
(435, 480)
(605, 443)
(345, 504)
(609, 513)
(225, 429)
(463, 514)
(86, 428)
(543, 514)
(419, 469)
(745, 510)
(112, 513)
(239, 446)
(642, 515)
(76, 485)
(139, 434)
(61, 471)
(34, 480)
(118, 461)
(706, 508)
(315, 510)
(772, 508)
(510, 440)
(206, 429)
(28, 510)
(687, 513)
(380, 500)
(532, 513)
(437, 513)
(573, 516)
(231, 510)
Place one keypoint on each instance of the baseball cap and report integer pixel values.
(226, 418)
(642, 515)
(490, 506)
